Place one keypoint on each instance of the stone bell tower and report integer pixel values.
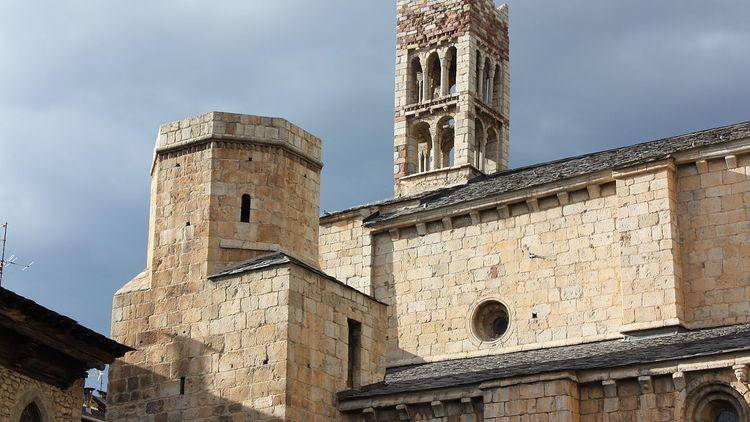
(452, 93)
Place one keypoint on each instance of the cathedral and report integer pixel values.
(612, 286)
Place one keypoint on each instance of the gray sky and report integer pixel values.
(84, 85)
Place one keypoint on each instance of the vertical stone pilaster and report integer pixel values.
(651, 272)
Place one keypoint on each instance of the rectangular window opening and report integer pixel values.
(182, 386)
(353, 379)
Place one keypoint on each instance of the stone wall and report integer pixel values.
(628, 400)
(543, 401)
(238, 126)
(199, 182)
(650, 260)
(318, 344)
(345, 248)
(244, 345)
(55, 404)
(661, 246)
(568, 292)
(195, 337)
(714, 227)
(223, 352)
(285, 202)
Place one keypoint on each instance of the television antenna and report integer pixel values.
(11, 259)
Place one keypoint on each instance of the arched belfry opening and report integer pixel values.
(497, 90)
(420, 148)
(487, 83)
(492, 151)
(479, 144)
(447, 134)
(416, 81)
(451, 57)
(434, 76)
(478, 73)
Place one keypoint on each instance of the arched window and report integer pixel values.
(245, 211)
(487, 82)
(416, 81)
(479, 73)
(447, 135)
(419, 149)
(433, 64)
(452, 57)
(31, 414)
(719, 411)
(492, 151)
(717, 403)
(479, 145)
(497, 90)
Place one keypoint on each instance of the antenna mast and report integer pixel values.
(12, 259)
(2, 256)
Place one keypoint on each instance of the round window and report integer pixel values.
(490, 321)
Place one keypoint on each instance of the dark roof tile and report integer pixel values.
(540, 174)
(606, 354)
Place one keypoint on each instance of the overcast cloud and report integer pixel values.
(84, 85)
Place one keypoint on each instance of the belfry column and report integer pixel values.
(445, 74)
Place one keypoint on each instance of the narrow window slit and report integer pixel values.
(245, 211)
(355, 352)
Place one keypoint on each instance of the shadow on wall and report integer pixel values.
(384, 289)
(182, 383)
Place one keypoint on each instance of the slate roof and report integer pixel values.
(606, 354)
(276, 259)
(17, 310)
(49, 347)
(540, 174)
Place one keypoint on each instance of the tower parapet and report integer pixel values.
(452, 93)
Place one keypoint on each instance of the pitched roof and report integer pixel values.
(540, 174)
(276, 259)
(42, 333)
(606, 354)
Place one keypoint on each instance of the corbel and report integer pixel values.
(503, 211)
(610, 388)
(741, 373)
(475, 218)
(468, 411)
(731, 161)
(702, 166)
(595, 191)
(447, 223)
(421, 229)
(647, 384)
(370, 414)
(533, 204)
(438, 409)
(467, 406)
(678, 379)
(394, 234)
(403, 412)
(563, 198)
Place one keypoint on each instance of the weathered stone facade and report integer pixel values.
(55, 404)
(44, 359)
(612, 286)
